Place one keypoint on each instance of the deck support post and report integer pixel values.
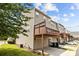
(42, 45)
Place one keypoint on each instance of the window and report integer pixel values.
(44, 17)
(37, 13)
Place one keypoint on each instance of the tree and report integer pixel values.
(12, 19)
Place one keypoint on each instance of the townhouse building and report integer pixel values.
(70, 37)
(42, 31)
(62, 37)
(65, 34)
(45, 30)
(75, 35)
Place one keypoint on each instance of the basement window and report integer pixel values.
(21, 45)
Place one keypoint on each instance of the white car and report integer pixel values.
(11, 40)
(70, 43)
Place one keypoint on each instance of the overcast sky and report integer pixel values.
(64, 13)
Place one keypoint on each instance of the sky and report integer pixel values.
(64, 13)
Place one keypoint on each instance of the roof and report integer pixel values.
(61, 25)
(42, 13)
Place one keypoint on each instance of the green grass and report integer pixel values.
(13, 50)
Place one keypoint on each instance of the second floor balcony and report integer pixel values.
(42, 29)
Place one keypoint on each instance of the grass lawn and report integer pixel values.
(13, 50)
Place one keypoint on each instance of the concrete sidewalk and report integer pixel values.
(69, 52)
(3, 42)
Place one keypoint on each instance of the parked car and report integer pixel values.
(70, 43)
(54, 44)
(11, 40)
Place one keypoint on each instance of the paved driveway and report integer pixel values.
(54, 51)
(71, 50)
